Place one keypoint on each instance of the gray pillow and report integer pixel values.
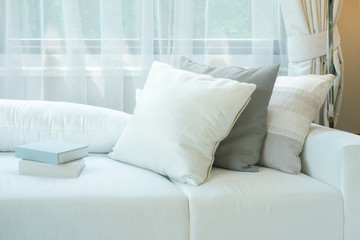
(240, 150)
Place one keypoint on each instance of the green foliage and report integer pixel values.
(216, 19)
(90, 18)
(131, 13)
(29, 18)
(222, 19)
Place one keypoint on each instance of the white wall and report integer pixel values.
(349, 28)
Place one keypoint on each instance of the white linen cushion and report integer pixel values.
(267, 205)
(294, 104)
(25, 121)
(179, 121)
(109, 200)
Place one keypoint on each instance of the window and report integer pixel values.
(99, 51)
(43, 24)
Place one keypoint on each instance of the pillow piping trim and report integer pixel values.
(227, 133)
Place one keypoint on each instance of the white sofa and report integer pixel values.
(113, 200)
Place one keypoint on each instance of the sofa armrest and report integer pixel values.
(333, 157)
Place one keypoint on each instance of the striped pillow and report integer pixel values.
(294, 104)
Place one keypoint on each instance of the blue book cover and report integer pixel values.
(50, 151)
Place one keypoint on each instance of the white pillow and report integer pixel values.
(179, 121)
(24, 121)
(294, 104)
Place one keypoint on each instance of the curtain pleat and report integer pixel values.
(307, 20)
(99, 52)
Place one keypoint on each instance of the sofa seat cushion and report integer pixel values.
(109, 200)
(266, 205)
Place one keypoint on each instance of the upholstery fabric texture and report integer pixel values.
(109, 200)
(240, 150)
(294, 104)
(179, 121)
(333, 157)
(26, 121)
(279, 205)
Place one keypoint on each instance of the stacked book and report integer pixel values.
(51, 158)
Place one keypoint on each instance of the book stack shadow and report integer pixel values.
(50, 158)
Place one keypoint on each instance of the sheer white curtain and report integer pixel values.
(306, 25)
(99, 51)
(62, 51)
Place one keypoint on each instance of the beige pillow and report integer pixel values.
(294, 104)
